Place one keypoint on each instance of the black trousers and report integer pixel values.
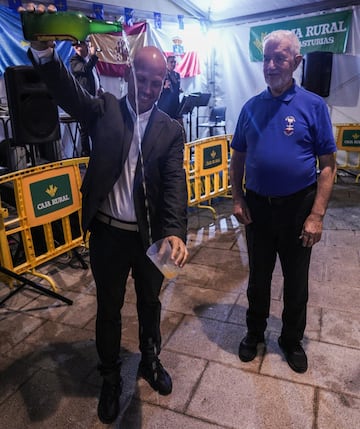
(113, 253)
(276, 227)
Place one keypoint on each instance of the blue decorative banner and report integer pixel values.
(98, 10)
(14, 4)
(61, 5)
(129, 16)
(157, 20)
(181, 22)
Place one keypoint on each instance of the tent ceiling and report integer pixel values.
(216, 12)
(222, 11)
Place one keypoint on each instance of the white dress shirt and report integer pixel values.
(120, 202)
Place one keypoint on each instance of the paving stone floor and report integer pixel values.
(48, 376)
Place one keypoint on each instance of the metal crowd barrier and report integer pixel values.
(40, 208)
(348, 142)
(40, 212)
(206, 163)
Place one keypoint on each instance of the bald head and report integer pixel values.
(145, 79)
(150, 57)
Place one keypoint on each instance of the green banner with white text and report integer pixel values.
(326, 33)
(50, 195)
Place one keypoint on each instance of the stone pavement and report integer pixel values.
(48, 376)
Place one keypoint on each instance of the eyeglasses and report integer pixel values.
(81, 43)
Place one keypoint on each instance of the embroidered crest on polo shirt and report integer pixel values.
(289, 125)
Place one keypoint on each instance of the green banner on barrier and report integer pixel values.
(326, 33)
(212, 157)
(51, 194)
(351, 138)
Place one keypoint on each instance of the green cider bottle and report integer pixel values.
(73, 26)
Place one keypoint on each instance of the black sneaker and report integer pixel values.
(294, 355)
(109, 407)
(156, 375)
(248, 347)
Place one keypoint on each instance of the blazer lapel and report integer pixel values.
(152, 133)
(128, 131)
(148, 145)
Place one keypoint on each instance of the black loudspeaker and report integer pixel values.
(33, 111)
(317, 68)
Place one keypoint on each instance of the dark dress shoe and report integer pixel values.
(294, 355)
(248, 347)
(156, 375)
(109, 407)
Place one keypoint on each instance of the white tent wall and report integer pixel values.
(229, 75)
(193, 40)
(237, 78)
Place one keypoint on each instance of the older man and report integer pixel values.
(280, 135)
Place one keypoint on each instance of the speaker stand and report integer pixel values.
(32, 154)
(80, 259)
(42, 154)
(24, 281)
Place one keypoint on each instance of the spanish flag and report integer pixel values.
(116, 49)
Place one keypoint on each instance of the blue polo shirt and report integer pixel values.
(282, 136)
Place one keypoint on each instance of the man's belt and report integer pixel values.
(127, 226)
(282, 199)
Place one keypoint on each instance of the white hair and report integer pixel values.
(279, 35)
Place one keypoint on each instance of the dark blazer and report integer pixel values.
(83, 71)
(111, 127)
(169, 98)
